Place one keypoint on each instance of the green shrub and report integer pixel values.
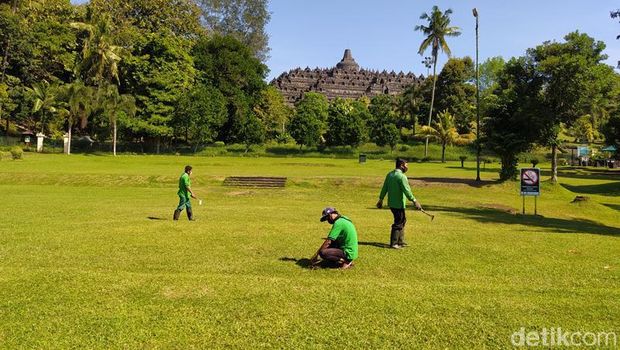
(17, 153)
(219, 144)
(403, 148)
(534, 162)
(426, 159)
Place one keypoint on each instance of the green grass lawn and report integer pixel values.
(90, 258)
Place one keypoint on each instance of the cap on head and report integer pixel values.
(400, 161)
(328, 211)
(188, 168)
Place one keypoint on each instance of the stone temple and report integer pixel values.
(346, 80)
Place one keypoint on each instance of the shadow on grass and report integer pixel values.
(482, 170)
(584, 173)
(450, 180)
(375, 244)
(304, 263)
(606, 189)
(612, 206)
(154, 218)
(498, 216)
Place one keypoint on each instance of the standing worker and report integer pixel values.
(340, 246)
(396, 185)
(185, 192)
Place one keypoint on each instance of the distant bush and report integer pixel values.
(534, 162)
(414, 159)
(426, 159)
(283, 138)
(403, 148)
(17, 153)
(562, 162)
(219, 144)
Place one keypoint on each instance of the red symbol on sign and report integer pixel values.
(530, 177)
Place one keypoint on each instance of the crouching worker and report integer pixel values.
(340, 246)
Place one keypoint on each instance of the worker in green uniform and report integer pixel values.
(396, 186)
(185, 192)
(340, 246)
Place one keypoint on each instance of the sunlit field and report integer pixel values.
(90, 256)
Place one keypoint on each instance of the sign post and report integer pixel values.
(530, 186)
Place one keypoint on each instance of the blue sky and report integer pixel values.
(381, 34)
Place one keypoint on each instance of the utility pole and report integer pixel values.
(478, 146)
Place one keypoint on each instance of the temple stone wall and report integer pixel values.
(346, 80)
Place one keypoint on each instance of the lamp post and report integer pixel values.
(478, 147)
(428, 63)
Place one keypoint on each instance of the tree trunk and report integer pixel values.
(554, 164)
(443, 152)
(430, 111)
(158, 143)
(114, 138)
(69, 139)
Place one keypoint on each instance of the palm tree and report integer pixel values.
(444, 131)
(408, 104)
(436, 31)
(78, 97)
(44, 100)
(113, 105)
(100, 57)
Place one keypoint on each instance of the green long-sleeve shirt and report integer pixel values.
(396, 185)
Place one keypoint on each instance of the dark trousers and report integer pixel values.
(397, 236)
(333, 253)
(184, 203)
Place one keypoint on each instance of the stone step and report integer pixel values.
(255, 181)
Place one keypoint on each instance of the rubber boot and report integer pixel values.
(401, 238)
(190, 215)
(394, 235)
(176, 215)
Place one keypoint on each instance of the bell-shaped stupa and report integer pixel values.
(347, 62)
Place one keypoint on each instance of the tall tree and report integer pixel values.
(456, 94)
(611, 130)
(44, 103)
(309, 122)
(409, 106)
(273, 111)
(383, 129)
(79, 103)
(346, 124)
(114, 106)
(513, 122)
(436, 31)
(616, 14)
(569, 70)
(179, 17)
(200, 114)
(228, 65)
(100, 56)
(242, 19)
(158, 73)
